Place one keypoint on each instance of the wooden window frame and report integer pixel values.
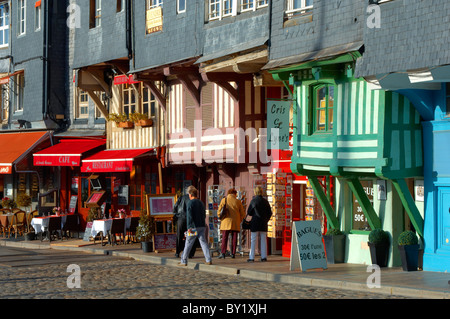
(4, 27)
(315, 109)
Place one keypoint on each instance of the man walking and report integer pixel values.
(196, 225)
(179, 217)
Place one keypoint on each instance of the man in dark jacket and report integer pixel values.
(260, 212)
(179, 217)
(195, 217)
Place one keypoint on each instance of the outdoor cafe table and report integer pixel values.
(40, 224)
(103, 226)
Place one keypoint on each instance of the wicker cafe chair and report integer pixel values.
(117, 227)
(131, 232)
(71, 225)
(18, 223)
(54, 225)
(30, 216)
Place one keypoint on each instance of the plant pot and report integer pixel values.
(410, 257)
(335, 248)
(126, 124)
(145, 123)
(379, 253)
(147, 246)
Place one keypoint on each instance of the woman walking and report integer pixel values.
(231, 225)
(260, 211)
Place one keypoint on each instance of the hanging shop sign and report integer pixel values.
(278, 124)
(307, 251)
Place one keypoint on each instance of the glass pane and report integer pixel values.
(321, 99)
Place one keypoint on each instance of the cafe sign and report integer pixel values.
(278, 124)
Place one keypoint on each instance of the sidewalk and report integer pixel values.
(394, 281)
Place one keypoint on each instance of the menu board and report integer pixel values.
(73, 204)
(160, 205)
(95, 199)
(164, 242)
(307, 251)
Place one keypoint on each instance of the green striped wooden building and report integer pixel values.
(345, 129)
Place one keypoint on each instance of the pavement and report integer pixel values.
(392, 281)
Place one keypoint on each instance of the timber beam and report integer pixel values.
(409, 205)
(156, 92)
(98, 103)
(324, 202)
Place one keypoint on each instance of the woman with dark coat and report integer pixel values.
(260, 212)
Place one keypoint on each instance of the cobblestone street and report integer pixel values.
(139, 280)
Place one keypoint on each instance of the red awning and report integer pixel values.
(67, 152)
(111, 161)
(15, 146)
(282, 160)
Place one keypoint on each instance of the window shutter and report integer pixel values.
(207, 105)
(190, 110)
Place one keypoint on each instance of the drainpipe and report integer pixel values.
(45, 88)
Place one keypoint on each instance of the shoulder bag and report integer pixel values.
(224, 212)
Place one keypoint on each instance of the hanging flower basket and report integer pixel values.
(145, 123)
(126, 124)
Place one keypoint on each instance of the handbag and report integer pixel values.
(224, 212)
(246, 222)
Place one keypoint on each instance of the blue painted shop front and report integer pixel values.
(434, 107)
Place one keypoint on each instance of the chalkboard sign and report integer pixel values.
(87, 231)
(307, 251)
(164, 242)
(73, 204)
(123, 195)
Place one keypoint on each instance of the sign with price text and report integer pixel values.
(307, 251)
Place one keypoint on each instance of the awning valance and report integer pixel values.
(68, 152)
(113, 161)
(15, 146)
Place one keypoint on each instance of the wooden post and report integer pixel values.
(324, 202)
(409, 204)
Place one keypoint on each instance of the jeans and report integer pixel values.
(190, 240)
(263, 243)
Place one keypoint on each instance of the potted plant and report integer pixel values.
(145, 231)
(408, 245)
(23, 200)
(8, 203)
(95, 213)
(141, 119)
(379, 247)
(121, 120)
(335, 246)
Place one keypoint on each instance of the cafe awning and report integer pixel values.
(68, 152)
(113, 161)
(15, 146)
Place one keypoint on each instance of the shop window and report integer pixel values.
(19, 81)
(219, 9)
(323, 108)
(294, 7)
(181, 6)
(4, 100)
(95, 13)
(154, 3)
(359, 219)
(120, 5)
(22, 11)
(139, 98)
(37, 16)
(4, 25)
